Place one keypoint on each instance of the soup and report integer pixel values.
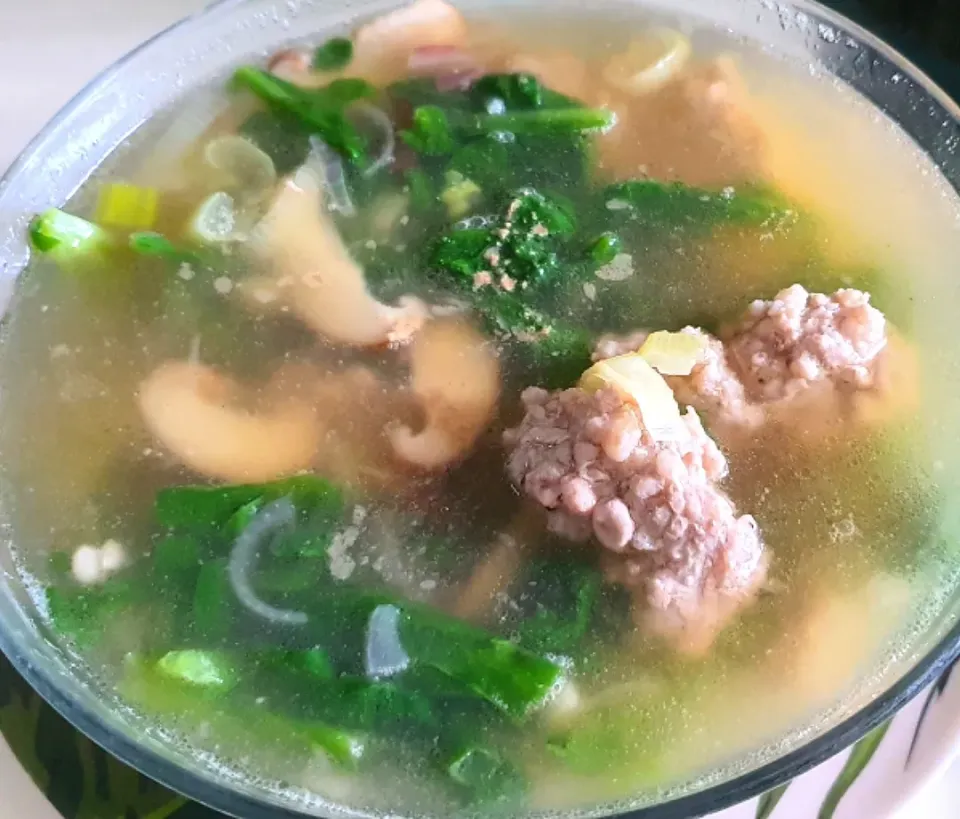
(433, 423)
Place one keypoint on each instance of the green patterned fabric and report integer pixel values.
(79, 778)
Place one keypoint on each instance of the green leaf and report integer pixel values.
(205, 508)
(543, 122)
(320, 111)
(423, 193)
(605, 248)
(859, 758)
(770, 800)
(661, 204)
(430, 132)
(175, 555)
(484, 775)
(507, 92)
(212, 599)
(280, 136)
(568, 596)
(211, 670)
(333, 55)
(84, 614)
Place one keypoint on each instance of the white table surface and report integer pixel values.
(48, 50)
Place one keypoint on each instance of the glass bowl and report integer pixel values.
(204, 47)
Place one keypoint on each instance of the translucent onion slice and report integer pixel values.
(375, 122)
(275, 516)
(327, 167)
(649, 62)
(639, 383)
(249, 170)
(385, 655)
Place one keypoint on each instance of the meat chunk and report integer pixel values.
(670, 533)
(697, 129)
(798, 338)
(712, 387)
(800, 352)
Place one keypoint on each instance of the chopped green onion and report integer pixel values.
(148, 243)
(204, 669)
(55, 231)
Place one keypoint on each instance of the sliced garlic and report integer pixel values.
(673, 353)
(638, 382)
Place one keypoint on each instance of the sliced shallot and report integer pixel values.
(274, 517)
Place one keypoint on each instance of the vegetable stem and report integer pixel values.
(321, 110)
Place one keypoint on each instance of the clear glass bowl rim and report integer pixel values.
(713, 798)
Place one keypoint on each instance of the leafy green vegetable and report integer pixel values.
(673, 204)
(238, 720)
(430, 132)
(511, 262)
(423, 195)
(523, 242)
(436, 131)
(544, 122)
(567, 594)
(487, 161)
(512, 679)
(560, 356)
(321, 111)
(280, 136)
(605, 248)
(176, 554)
(349, 626)
(202, 508)
(84, 615)
(484, 775)
(213, 600)
(148, 243)
(555, 351)
(333, 55)
(210, 670)
(313, 664)
(497, 93)
(342, 747)
(407, 95)
(462, 252)
(383, 707)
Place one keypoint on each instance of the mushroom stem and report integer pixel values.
(316, 278)
(455, 376)
(190, 409)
